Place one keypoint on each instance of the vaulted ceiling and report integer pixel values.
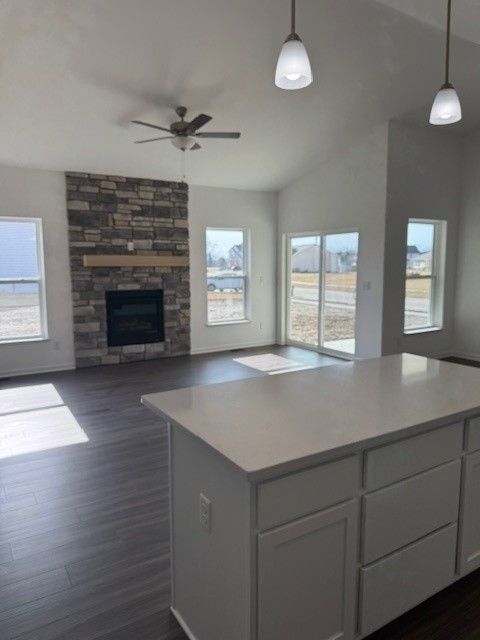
(73, 74)
(465, 15)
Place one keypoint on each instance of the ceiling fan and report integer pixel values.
(184, 134)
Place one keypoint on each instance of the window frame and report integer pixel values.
(39, 280)
(437, 276)
(246, 277)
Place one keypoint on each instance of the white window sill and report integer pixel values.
(227, 323)
(413, 332)
(23, 340)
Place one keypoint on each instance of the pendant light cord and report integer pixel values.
(293, 16)
(447, 52)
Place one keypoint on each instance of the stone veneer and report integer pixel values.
(104, 213)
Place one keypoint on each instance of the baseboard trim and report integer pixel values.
(440, 355)
(231, 347)
(437, 355)
(466, 356)
(188, 632)
(34, 370)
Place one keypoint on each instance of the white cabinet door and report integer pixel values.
(470, 531)
(307, 577)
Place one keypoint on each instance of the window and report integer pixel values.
(424, 275)
(22, 296)
(226, 275)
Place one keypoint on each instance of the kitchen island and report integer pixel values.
(321, 504)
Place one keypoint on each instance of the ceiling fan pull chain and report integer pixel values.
(184, 170)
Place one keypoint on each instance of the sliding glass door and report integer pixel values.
(303, 304)
(339, 299)
(321, 291)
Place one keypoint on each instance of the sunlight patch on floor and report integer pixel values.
(35, 419)
(272, 364)
(267, 362)
(292, 369)
(36, 396)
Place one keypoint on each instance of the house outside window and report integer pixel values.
(22, 281)
(227, 275)
(424, 277)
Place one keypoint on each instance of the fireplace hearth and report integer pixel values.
(134, 317)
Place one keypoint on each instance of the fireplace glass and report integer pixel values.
(134, 317)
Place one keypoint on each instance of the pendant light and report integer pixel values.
(446, 107)
(293, 66)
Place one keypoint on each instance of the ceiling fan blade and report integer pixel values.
(195, 147)
(152, 126)
(218, 134)
(154, 139)
(199, 121)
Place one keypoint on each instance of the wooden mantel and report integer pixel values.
(134, 261)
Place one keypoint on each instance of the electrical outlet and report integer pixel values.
(205, 513)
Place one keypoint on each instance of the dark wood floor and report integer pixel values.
(84, 551)
(84, 529)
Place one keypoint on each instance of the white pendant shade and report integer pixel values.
(293, 66)
(446, 107)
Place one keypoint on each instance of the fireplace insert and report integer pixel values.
(134, 317)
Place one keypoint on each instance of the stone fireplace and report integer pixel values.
(125, 306)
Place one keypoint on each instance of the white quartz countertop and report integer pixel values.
(283, 422)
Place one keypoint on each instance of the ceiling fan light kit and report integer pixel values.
(184, 143)
(446, 108)
(293, 70)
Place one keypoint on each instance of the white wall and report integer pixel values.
(255, 210)
(423, 182)
(41, 194)
(467, 304)
(348, 192)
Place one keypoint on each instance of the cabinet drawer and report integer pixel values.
(302, 493)
(406, 458)
(473, 440)
(403, 580)
(409, 510)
